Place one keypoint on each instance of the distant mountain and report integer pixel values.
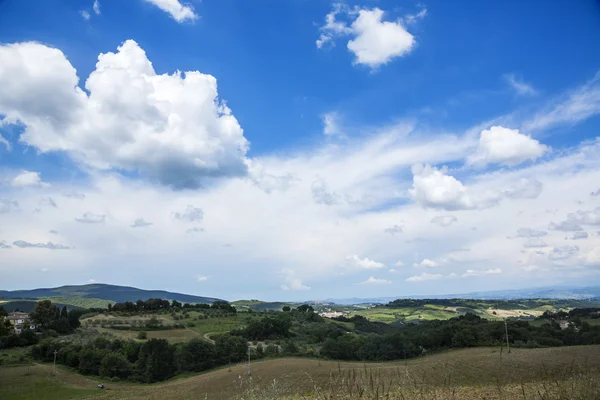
(552, 292)
(104, 292)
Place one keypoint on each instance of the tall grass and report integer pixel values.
(573, 383)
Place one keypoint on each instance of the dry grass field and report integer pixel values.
(553, 373)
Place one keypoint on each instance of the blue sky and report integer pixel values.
(333, 148)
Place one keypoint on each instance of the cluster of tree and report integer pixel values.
(267, 328)
(46, 317)
(574, 313)
(151, 305)
(464, 331)
(151, 361)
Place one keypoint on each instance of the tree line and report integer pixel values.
(155, 304)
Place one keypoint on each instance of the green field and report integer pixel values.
(556, 373)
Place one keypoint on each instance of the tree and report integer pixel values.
(231, 348)
(175, 304)
(3, 312)
(197, 355)
(109, 307)
(286, 308)
(156, 361)
(115, 364)
(142, 335)
(44, 313)
(305, 308)
(64, 312)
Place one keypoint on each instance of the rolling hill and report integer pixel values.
(104, 292)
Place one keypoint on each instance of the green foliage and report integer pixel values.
(267, 328)
(197, 355)
(156, 361)
(115, 365)
(142, 335)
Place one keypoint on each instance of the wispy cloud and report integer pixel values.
(521, 87)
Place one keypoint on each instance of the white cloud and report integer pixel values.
(399, 264)
(433, 188)
(377, 42)
(504, 146)
(91, 218)
(292, 281)
(191, 214)
(7, 206)
(331, 124)
(91, 280)
(570, 109)
(522, 88)
(424, 277)
(171, 128)
(178, 11)
(414, 18)
(201, 278)
(140, 223)
(392, 230)
(96, 7)
(579, 235)
(49, 245)
(593, 257)
(376, 281)
(444, 220)
(426, 263)
(332, 27)
(563, 252)
(374, 42)
(5, 142)
(85, 15)
(28, 178)
(355, 261)
(472, 272)
(567, 226)
(534, 242)
(530, 233)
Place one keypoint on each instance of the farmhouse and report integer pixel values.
(563, 324)
(19, 320)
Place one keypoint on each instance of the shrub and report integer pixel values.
(142, 335)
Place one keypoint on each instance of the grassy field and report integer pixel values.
(204, 328)
(554, 373)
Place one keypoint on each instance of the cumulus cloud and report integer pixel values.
(426, 263)
(7, 206)
(424, 277)
(579, 235)
(191, 214)
(534, 242)
(392, 230)
(91, 218)
(376, 281)
(444, 220)
(171, 128)
(292, 281)
(563, 252)
(96, 7)
(355, 261)
(140, 223)
(374, 41)
(530, 233)
(473, 272)
(520, 87)
(176, 10)
(4, 245)
(49, 245)
(28, 178)
(434, 188)
(504, 146)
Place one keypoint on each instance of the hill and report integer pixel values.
(556, 373)
(103, 292)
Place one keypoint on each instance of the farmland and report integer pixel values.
(555, 373)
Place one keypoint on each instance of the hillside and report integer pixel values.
(103, 292)
(458, 374)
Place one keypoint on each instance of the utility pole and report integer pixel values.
(54, 369)
(506, 333)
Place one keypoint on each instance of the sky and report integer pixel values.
(300, 150)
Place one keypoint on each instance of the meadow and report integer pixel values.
(550, 373)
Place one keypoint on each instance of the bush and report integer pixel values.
(115, 365)
(191, 324)
(142, 335)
